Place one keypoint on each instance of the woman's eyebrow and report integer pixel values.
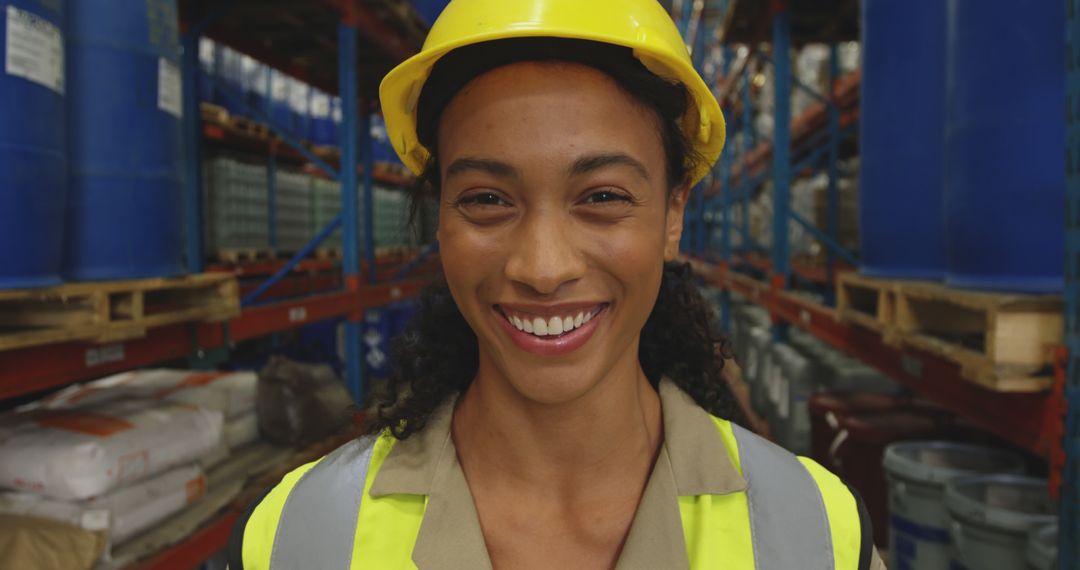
(486, 165)
(594, 162)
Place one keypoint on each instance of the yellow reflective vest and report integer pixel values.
(790, 513)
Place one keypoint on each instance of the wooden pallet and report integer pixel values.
(328, 253)
(213, 114)
(114, 310)
(237, 256)
(865, 301)
(1002, 341)
(249, 127)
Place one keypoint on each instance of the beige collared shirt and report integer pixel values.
(692, 461)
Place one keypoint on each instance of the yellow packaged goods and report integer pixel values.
(75, 454)
(30, 543)
(122, 514)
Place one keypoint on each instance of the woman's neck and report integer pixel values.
(610, 434)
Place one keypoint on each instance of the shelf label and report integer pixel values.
(35, 49)
(395, 292)
(170, 91)
(297, 314)
(104, 355)
(804, 317)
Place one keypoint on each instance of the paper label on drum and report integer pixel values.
(35, 49)
(170, 92)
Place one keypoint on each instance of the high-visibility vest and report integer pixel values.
(794, 514)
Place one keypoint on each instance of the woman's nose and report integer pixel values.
(545, 254)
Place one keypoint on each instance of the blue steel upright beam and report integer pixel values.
(726, 220)
(348, 82)
(747, 145)
(1069, 524)
(833, 198)
(700, 44)
(193, 199)
(781, 155)
(368, 153)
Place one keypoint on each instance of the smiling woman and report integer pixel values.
(559, 399)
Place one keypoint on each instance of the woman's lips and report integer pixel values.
(553, 340)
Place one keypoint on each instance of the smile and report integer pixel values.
(554, 326)
(551, 334)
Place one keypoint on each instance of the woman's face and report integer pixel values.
(555, 223)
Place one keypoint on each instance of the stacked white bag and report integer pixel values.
(119, 454)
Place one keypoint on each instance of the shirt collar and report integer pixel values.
(699, 460)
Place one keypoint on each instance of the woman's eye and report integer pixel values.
(483, 199)
(604, 196)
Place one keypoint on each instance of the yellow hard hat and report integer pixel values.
(641, 25)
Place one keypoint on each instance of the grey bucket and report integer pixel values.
(1042, 548)
(757, 363)
(917, 472)
(992, 517)
(789, 392)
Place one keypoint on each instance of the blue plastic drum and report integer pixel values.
(903, 110)
(1004, 145)
(32, 150)
(124, 219)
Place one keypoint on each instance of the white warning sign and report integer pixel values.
(170, 91)
(35, 49)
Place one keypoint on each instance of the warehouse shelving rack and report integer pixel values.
(1045, 424)
(279, 296)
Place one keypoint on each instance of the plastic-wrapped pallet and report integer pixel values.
(293, 209)
(235, 205)
(325, 206)
(124, 513)
(75, 454)
(232, 393)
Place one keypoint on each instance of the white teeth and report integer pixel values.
(555, 326)
(549, 327)
(540, 327)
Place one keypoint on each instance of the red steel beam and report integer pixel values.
(195, 549)
(1031, 417)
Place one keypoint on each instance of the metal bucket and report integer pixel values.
(917, 472)
(992, 517)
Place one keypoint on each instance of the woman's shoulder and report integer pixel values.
(254, 531)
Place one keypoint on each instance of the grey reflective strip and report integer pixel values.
(317, 526)
(788, 521)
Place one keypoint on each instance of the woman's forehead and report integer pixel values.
(548, 110)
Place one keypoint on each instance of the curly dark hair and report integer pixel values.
(437, 355)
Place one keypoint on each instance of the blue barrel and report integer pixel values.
(903, 109)
(255, 82)
(280, 111)
(322, 121)
(124, 219)
(229, 72)
(208, 67)
(299, 101)
(429, 10)
(33, 159)
(1004, 141)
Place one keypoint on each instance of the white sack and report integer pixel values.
(242, 430)
(75, 454)
(232, 393)
(124, 513)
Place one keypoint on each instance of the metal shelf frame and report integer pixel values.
(1047, 424)
(355, 156)
(1069, 524)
